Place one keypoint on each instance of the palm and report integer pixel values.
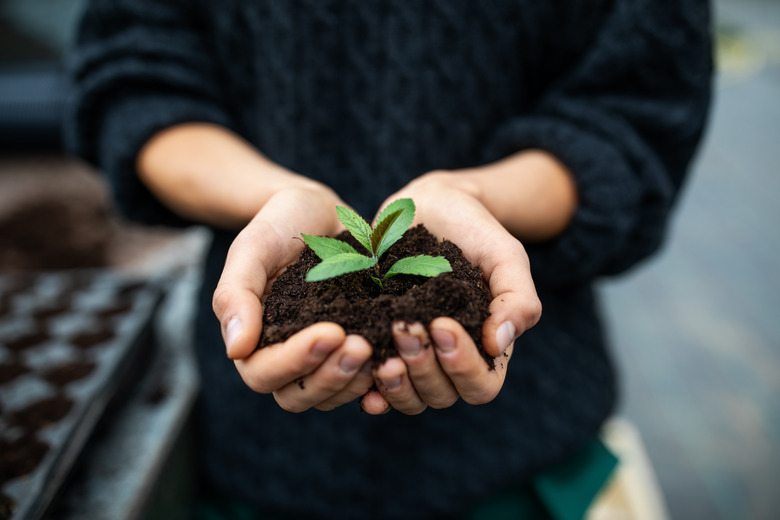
(455, 369)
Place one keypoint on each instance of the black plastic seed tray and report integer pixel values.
(69, 343)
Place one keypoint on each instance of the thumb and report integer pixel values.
(515, 307)
(240, 315)
(252, 258)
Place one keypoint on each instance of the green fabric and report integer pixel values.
(518, 502)
(224, 508)
(563, 492)
(568, 489)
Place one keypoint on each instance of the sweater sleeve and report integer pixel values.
(625, 120)
(137, 67)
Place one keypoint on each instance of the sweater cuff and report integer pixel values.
(126, 127)
(609, 204)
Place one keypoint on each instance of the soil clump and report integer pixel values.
(361, 307)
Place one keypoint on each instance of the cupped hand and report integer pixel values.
(452, 369)
(319, 367)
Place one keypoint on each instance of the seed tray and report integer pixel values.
(70, 342)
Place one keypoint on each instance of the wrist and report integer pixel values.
(435, 183)
(531, 193)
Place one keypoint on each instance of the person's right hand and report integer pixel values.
(318, 367)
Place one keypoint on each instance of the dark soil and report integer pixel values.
(115, 310)
(28, 340)
(356, 303)
(42, 413)
(63, 375)
(19, 457)
(21, 451)
(92, 338)
(55, 309)
(10, 371)
(54, 234)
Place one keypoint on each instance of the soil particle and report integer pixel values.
(57, 308)
(92, 338)
(63, 375)
(50, 234)
(20, 456)
(41, 413)
(114, 310)
(356, 303)
(27, 340)
(10, 371)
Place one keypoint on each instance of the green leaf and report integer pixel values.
(339, 264)
(422, 265)
(391, 225)
(355, 224)
(381, 229)
(325, 247)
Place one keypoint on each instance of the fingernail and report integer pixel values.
(350, 364)
(232, 331)
(407, 345)
(444, 341)
(505, 335)
(392, 384)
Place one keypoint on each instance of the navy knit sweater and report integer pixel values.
(364, 95)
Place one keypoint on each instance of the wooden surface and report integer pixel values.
(696, 331)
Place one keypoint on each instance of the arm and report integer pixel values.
(208, 174)
(138, 68)
(471, 207)
(531, 193)
(587, 180)
(625, 120)
(449, 203)
(148, 110)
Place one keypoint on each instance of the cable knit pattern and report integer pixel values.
(364, 95)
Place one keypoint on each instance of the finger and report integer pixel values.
(331, 378)
(357, 388)
(270, 368)
(458, 356)
(240, 314)
(394, 385)
(515, 307)
(373, 403)
(256, 253)
(262, 249)
(431, 383)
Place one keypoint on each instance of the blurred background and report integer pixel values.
(695, 330)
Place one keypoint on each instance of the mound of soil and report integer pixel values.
(356, 303)
(50, 234)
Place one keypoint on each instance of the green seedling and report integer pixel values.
(340, 258)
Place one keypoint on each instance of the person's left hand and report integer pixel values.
(449, 207)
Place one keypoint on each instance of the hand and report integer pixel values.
(320, 366)
(449, 207)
